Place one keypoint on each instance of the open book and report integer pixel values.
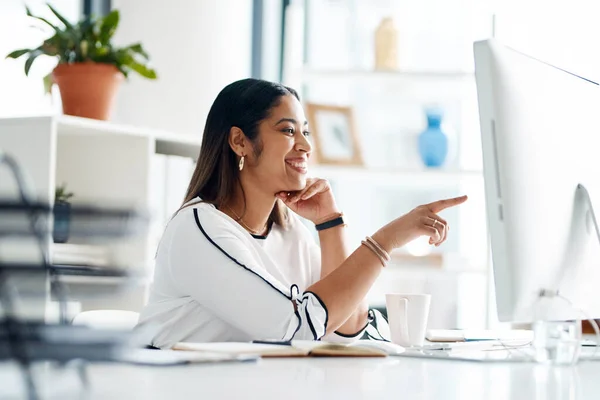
(297, 348)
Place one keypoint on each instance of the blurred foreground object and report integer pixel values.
(26, 272)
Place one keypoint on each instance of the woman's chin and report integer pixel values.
(295, 186)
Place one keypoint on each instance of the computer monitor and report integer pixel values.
(540, 130)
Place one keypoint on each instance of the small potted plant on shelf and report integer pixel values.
(62, 214)
(90, 68)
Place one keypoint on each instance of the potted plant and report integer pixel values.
(90, 68)
(62, 214)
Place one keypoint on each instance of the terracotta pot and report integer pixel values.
(87, 89)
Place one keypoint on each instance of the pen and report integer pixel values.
(277, 342)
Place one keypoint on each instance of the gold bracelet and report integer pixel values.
(384, 253)
(374, 250)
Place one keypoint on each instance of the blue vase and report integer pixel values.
(433, 142)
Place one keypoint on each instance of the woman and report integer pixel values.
(234, 263)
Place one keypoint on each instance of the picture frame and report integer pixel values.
(334, 134)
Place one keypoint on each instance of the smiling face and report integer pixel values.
(279, 161)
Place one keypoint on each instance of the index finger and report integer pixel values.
(440, 205)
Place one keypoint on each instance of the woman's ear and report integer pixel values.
(238, 141)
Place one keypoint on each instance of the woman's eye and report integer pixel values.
(306, 133)
(289, 130)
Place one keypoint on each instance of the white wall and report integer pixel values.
(565, 33)
(197, 47)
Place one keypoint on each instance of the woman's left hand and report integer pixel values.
(314, 202)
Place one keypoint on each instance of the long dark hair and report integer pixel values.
(243, 104)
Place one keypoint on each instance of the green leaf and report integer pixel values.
(61, 194)
(60, 17)
(86, 28)
(29, 14)
(138, 49)
(48, 82)
(142, 69)
(123, 71)
(102, 51)
(109, 26)
(125, 60)
(34, 54)
(50, 46)
(18, 53)
(84, 48)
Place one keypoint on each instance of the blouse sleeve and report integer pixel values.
(315, 268)
(210, 261)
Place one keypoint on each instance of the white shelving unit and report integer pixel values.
(400, 77)
(169, 143)
(388, 107)
(417, 85)
(381, 176)
(311, 73)
(101, 163)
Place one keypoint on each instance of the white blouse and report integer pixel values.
(214, 282)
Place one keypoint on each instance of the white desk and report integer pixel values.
(331, 379)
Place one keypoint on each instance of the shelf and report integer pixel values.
(400, 76)
(80, 254)
(394, 177)
(77, 125)
(185, 145)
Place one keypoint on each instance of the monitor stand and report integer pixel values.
(559, 342)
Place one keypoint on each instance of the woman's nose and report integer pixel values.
(303, 144)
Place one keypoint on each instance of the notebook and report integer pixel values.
(296, 348)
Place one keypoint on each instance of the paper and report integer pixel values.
(171, 357)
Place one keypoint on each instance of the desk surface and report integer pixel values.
(325, 378)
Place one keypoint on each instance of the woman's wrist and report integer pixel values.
(384, 239)
(328, 217)
(331, 221)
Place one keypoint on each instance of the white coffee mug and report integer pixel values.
(407, 317)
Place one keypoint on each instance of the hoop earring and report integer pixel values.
(241, 164)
